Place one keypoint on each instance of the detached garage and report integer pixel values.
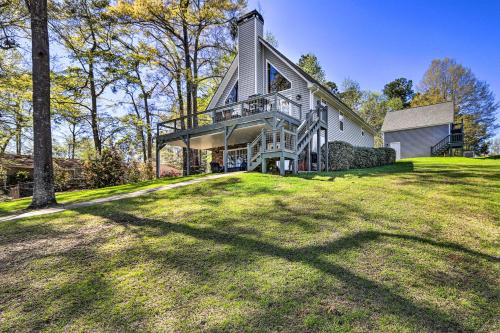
(422, 131)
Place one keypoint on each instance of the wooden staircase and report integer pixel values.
(453, 140)
(283, 142)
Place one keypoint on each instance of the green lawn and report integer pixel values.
(9, 207)
(403, 248)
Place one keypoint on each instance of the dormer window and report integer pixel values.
(275, 80)
(233, 95)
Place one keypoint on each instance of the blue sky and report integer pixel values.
(374, 42)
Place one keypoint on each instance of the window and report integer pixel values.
(341, 121)
(362, 132)
(236, 157)
(275, 80)
(233, 94)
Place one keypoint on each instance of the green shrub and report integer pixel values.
(105, 170)
(23, 176)
(62, 178)
(389, 155)
(340, 155)
(138, 171)
(364, 158)
(371, 157)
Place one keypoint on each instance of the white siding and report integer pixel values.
(248, 56)
(227, 89)
(299, 85)
(352, 130)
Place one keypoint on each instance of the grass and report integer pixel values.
(403, 248)
(12, 206)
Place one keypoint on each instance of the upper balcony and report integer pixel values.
(253, 110)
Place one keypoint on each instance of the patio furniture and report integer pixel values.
(215, 167)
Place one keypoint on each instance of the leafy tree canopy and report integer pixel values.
(400, 88)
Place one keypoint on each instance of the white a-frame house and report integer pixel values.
(267, 111)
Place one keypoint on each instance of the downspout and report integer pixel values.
(311, 95)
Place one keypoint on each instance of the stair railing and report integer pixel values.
(446, 142)
(440, 145)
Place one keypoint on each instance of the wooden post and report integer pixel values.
(274, 139)
(188, 155)
(282, 138)
(318, 149)
(262, 150)
(157, 151)
(296, 165)
(309, 155)
(327, 151)
(282, 164)
(249, 156)
(225, 150)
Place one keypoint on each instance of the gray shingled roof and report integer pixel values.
(422, 116)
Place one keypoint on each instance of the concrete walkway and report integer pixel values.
(62, 208)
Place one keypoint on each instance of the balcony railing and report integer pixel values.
(249, 107)
(269, 141)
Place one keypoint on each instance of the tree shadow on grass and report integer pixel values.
(362, 289)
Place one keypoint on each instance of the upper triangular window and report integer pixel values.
(275, 80)
(233, 95)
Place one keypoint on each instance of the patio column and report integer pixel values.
(249, 156)
(157, 152)
(262, 150)
(188, 155)
(327, 163)
(225, 150)
(282, 147)
(309, 154)
(318, 150)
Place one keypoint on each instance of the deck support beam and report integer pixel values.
(157, 151)
(224, 156)
(228, 131)
(309, 155)
(282, 165)
(327, 148)
(318, 150)
(188, 155)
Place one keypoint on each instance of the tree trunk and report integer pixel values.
(43, 191)
(140, 132)
(19, 128)
(73, 141)
(93, 112)
(149, 134)
(187, 65)
(194, 88)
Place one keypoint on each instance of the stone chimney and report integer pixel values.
(250, 68)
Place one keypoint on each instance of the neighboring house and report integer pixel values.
(16, 174)
(422, 131)
(267, 112)
(13, 164)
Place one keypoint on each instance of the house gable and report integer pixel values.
(225, 86)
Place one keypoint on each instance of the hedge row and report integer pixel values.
(343, 156)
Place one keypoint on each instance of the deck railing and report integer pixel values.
(273, 140)
(447, 142)
(251, 106)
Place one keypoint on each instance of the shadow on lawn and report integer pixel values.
(229, 245)
(363, 290)
(399, 167)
